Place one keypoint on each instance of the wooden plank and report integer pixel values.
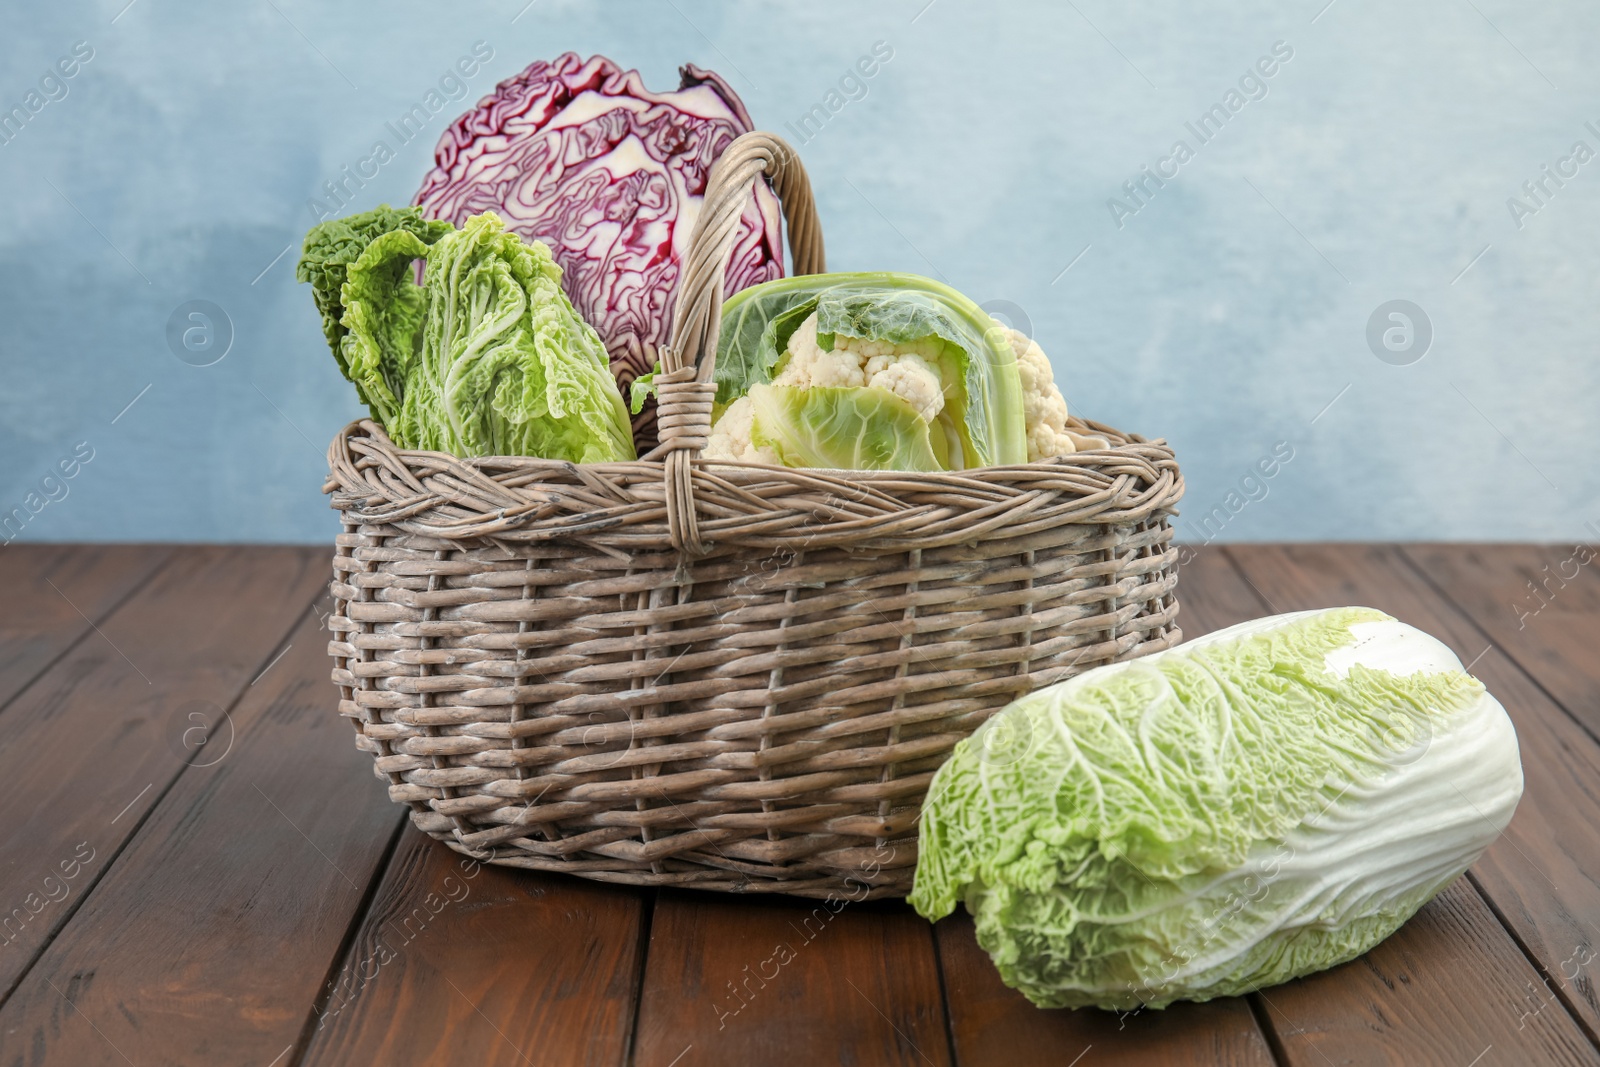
(993, 1024)
(460, 962)
(1543, 875)
(54, 596)
(1446, 991)
(1540, 875)
(713, 942)
(215, 929)
(1212, 594)
(94, 742)
(1539, 603)
(733, 980)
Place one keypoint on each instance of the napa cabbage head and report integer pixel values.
(1262, 803)
(850, 338)
(508, 368)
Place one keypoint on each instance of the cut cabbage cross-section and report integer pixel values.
(580, 155)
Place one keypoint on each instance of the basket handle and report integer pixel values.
(685, 390)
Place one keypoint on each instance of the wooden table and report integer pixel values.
(257, 900)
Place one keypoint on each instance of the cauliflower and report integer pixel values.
(912, 379)
(1044, 409)
(730, 437)
(910, 371)
(809, 365)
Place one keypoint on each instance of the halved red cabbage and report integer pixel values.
(579, 154)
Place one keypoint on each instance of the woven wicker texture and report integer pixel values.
(730, 677)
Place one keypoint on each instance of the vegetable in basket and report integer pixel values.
(1258, 804)
(579, 154)
(338, 244)
(880, 371)
(485, 357)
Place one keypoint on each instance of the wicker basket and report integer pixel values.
(731, 677)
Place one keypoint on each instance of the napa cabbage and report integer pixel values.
(1261, 803)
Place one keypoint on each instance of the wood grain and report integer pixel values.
(459, 962)
(252, 920)
(1541, 876)
(1214, 594)
(215, 928)
(54, 594)
(993, 1024)
(1449, 989)
(92, 744)
(788, 981)
(1540, 603)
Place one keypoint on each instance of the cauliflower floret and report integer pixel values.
(911, 379)
(1044, 410)
(857, 362)
(809, 365)
(910, 371)
(927, 349)
(730, 437)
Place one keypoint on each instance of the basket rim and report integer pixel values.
(1089, 457)
(623, 505)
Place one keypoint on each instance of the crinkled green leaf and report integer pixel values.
(331, 247)
(382, 321)
(486, 357)
(507, 367)
(1222, 816)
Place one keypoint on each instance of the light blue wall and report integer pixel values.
(1225, 314)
